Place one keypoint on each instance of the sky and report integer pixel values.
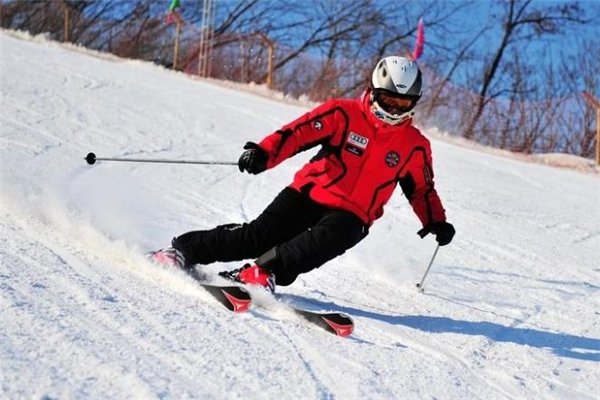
(551, 49)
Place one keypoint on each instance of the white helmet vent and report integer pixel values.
(398, 75)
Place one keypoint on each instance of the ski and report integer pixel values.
(238, 299)
(234, 298)
(337, 323)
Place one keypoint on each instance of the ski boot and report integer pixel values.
(252, 275)
(168, 257)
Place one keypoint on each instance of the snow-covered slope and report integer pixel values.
(510, 310)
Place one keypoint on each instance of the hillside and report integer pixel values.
(510, 310)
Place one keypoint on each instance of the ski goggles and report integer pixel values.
(394, 103)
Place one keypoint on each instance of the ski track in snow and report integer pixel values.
(510, 309)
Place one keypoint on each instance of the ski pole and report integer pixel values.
(91, 159)
(420, 285)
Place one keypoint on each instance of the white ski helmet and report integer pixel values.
(396, 89)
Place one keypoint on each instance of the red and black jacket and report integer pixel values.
(361, 160)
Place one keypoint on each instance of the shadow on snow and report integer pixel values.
(562, 344)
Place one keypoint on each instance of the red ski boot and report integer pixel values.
(252, 275)
(168, 257)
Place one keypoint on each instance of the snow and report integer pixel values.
(510, 309)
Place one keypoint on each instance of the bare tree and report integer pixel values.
(522, 21)
(501, 95)
(440, 84)
(581, 117)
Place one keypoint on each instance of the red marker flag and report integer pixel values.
(420, 43)
(173, 15)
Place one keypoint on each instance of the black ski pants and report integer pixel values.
(293, 235)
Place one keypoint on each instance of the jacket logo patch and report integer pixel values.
(318, 125)
(354, 150)
(392, 159)
(358, 141)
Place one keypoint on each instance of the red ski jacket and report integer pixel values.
(361, 160)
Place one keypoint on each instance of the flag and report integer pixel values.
(173, 15)
(420, 43)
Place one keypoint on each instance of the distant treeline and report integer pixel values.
(507, 80)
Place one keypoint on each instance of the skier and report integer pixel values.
(368, 146)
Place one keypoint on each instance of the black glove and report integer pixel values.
(254, 159)
(443, 231)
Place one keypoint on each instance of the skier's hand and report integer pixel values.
(443, 231)
(254, 159)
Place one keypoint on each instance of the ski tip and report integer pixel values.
(343, 327)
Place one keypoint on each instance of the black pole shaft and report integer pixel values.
(142, 160)
(91, 159)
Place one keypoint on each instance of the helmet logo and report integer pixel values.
(401, 86)
(392, 159)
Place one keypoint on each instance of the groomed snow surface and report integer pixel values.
(510, 311)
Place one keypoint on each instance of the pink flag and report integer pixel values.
(173, 15)
(420, 44)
